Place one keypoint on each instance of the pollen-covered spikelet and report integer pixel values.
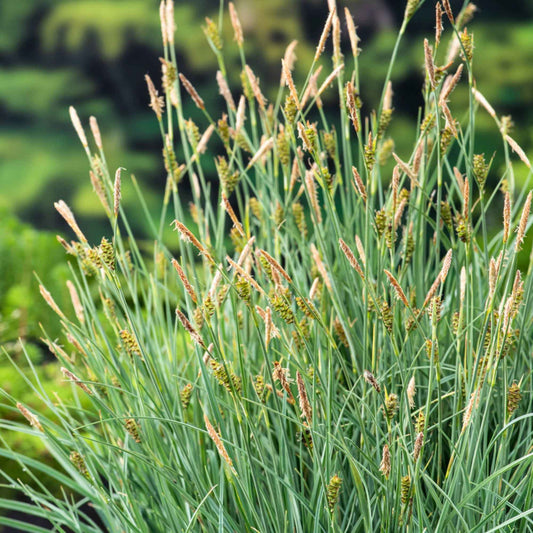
(330, 143)
(391, 405)
(370, 153)
(130, 343)
(243, 288)
(513, 398)
(299, 218)
(386, 314)
(132, 427)
(259, 387)
(229, 380)
(462, 227)
(340, 333)
(211, 32)
(467, 42)
(420, 422)
(405, 488)
(481, 169)
(229, 179)
(185, 395)
(410, 8)
(76, 458)
(446, 213)
(108, 253)
(283, 147)
(332, 492)
(280, 301)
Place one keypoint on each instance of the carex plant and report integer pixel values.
(340, 342)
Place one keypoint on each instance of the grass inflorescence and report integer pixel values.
(340, 342)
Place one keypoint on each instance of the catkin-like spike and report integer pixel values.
(186, 284)
(411, 391)
(448, 10)
(188, 236)
(245, 275)
(215, 437)
(506, 216)
(192, 92)
(438, 23)
(351, 258)
(163, 21)
(116, 192)
(236, 23)
(397, 288)
(450, 84)
(290, 83)
(289, 58)
(324, 36)
(522, 226)
(332, 492)
(483, 101)
(313, 195)
(50, 301)
(170, 23)
(64, 210)
(359, 186)
(320, 266)
(371, 380)
(360, 250)
(190, 329)
(96, 132)
(157, 103)
(254, 83)
(69, 375)
(352, 34)
(229, 210)
(282, 375)
(518, 150)
(78, 308)
(75, 119)
(185, 395)
(274, 264)
(405, 168)
(329, 79)
(419, 441)
(303, 399)
(30, 417)
(385, 465)
(265, 147)
(225, 91)
(446, 263)
(430, 65)
(352, 105)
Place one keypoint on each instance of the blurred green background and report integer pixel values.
(93, 54)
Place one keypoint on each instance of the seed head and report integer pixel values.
(385, 465)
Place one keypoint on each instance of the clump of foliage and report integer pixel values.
(346, 346)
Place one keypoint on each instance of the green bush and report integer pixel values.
(339, 342)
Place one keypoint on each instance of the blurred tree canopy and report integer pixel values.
(94, 54)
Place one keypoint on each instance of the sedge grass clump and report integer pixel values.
(371, 276)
